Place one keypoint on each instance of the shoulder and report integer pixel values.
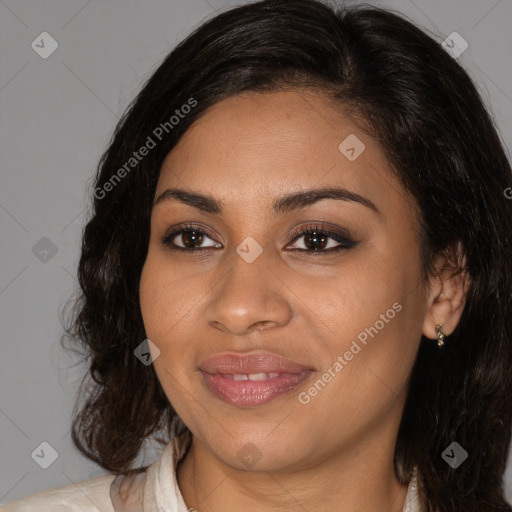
(91, 495)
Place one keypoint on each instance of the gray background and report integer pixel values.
(57, 115)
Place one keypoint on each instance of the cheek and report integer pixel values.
(170, 303)
(164, 313)
(152, 297)
(374, 318)
(164, 299)
(355, 299)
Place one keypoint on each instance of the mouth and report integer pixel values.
(254, 379)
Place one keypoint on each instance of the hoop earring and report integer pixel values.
(440, 335)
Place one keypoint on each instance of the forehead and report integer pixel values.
(256, 146)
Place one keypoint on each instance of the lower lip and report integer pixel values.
(248, 393)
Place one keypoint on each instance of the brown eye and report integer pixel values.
(315, 241)
(320, 240)
(191, 238)
(187, 238)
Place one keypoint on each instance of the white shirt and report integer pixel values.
(155, 490)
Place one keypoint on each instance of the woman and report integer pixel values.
(297, 277)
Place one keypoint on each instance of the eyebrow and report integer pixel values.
(282, 205)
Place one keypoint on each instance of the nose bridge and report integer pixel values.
(248, 294)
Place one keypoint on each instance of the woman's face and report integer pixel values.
(329, 335)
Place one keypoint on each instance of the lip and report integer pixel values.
(253, 362)
(265, 377)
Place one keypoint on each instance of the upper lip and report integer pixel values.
(255, 362)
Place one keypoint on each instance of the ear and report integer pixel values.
(447, 292)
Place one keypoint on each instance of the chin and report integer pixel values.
(247, 449)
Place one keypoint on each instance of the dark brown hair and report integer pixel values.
(423, 108)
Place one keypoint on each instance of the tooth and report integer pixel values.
(273, 375)
(258, 376)
(240, 376)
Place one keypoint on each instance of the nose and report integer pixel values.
(249, 297)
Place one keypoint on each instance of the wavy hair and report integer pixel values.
(405, 90)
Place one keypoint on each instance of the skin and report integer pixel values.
(337, 450)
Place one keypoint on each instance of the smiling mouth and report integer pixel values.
(249, 380)
(252, 376)
(254, 389)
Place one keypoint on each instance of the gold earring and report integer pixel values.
(440, 335)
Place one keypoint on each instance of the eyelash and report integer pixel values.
(346, 242)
